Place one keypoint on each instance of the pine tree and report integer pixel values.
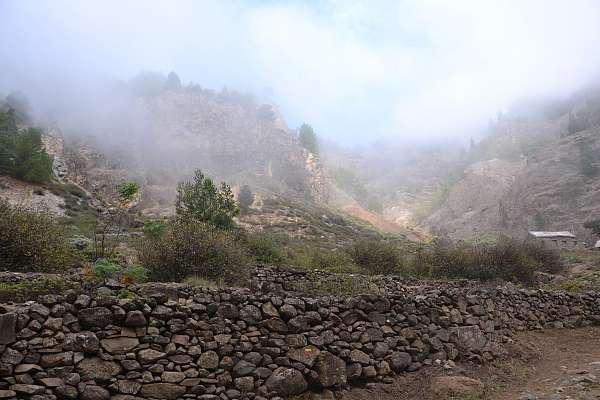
(308, 139)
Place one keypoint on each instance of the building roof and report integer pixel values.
(562, 234)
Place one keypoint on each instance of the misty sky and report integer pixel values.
(355, 70)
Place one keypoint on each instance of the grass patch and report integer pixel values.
(31, 289)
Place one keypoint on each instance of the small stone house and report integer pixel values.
(556, 240)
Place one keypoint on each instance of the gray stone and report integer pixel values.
(331, 370)
(286, 382)
(250, 314)
(93, 392)
(135, 318)
(468, 338)
(8, 328)
(119, 345)
(85, 341)
(359, 357)
(11, 357)
(208, 360)
(172, 376)
(399, 361)
(243, 368)
(166, 391)
(95, 368)
(148, 356)
(27, 389)
(95, 317)
(306, 355)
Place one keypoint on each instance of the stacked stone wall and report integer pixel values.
(174, 341)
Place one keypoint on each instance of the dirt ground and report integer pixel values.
(549, 365)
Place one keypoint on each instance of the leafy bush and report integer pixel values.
(22, 153)
(376, 256)
(30, 289)
(105, 269)
(188, 247)
(263, 248)
(203, 201)
(593, 225)
(32, 241)
(154, 229)
(333, 261)
(506, 259)
(308, 139)
(127, 191)
(245, 198)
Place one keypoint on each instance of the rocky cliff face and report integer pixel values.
(228, 137)
(545, 189)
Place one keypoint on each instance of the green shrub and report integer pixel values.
(506, 259)
(335, 261)
(30, 289)
(245, 198)
(376, 256)
(154, 229)
(203, 201)
(262, 247)
(105, 269)
(188, 247)
(22, 153)
(32, 241)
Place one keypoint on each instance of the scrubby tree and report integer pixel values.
(587, 159)
(593, 226)
(204, 201)
(18, 102)
(22, 153)
(308, 139)
(245, 198)
(173, 82)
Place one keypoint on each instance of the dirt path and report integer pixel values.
(550, 365)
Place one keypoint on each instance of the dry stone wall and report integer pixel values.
(174, 341)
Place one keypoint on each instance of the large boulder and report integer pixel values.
(331, 370)
(95, 317)
(85, 341)
(286, 382)
(95, 368)
(306, 355)
(468, 338)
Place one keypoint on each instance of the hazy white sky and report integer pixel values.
(355, 69)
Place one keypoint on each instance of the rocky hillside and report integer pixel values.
(169, 135)
(531, 174)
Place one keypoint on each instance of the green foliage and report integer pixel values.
(126, 191)
(154, 229)
(18, 102)
(577, 123)
(32, 241)
(245, 198)
(587, 159)
(105, 269)
(22, 153)
(335, 261)
(32, 288)
(202, 201)
(507, 259)
(539, 220)
(263, 248)
(376, 256)
(593, 225)
(125, 294)
(198, 281)
(173, 82)
(188, 247)
(111, 225)
(308, 139)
